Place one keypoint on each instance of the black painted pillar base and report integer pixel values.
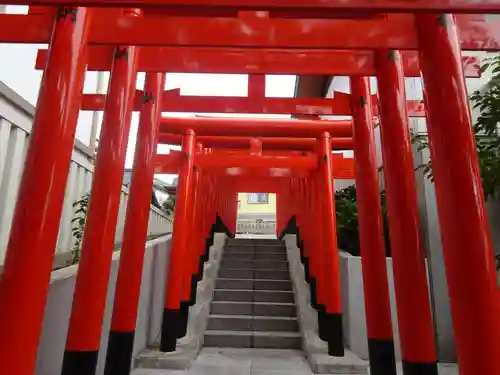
(382, 358)
(307, 270)
(301, 252)
(169, 329)
(119, 353)
(219, 227)
(419, 368)
(213, 229)
(206, 254)
(194, 289)
(335, 334)
(79, 362)
(290, 228)
(313, 292)
(322, 323)
(183, 319)
(201, 266)
(282, 234)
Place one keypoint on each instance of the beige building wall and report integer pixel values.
(246, 205)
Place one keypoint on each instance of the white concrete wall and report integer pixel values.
(353, 305)
(58, 308)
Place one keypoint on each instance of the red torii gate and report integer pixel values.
(465, 235)
(296, 7)
(251, 61)
(268, 143)
(174, 102)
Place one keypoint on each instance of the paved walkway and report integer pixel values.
(228, 361)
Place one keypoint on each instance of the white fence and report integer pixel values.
(256, 227)
(16, 116)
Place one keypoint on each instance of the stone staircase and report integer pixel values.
(253, 304)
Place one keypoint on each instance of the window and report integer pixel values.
(258, 198)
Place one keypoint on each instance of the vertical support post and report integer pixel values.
(330, 249)
(304, 249)
(189, 283)
(234, 212)
(208, 214)
(128, 284)
(95, 115)
(374, 266)
(172, 312)
(89, 300)
(410, 278)
(279, 213)
(311, 252)
(28, 264)
(201, 222)
(318, 248)
(467, 249)
(255, 146)
(198, 208)
(256, 87)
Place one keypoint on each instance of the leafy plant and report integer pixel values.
(346, 207)
(422, 143)
(485, 130)
(78, 225)
(169, 205)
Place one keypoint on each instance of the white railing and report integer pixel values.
(256, 227)
(16, 116)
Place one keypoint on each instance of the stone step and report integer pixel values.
(258, 241)
(239, 248)
(252, 323)
(253, 295)
(250, 256)
(240, 241)
(255, 339)
(255, 264)
(268, 241)
(253, 308)
(255, 253)
(270, 249)
(249, 284)
(255, 274)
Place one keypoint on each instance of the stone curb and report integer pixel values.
(316, 349)
(190, 345)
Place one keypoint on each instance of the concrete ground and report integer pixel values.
(229, 361)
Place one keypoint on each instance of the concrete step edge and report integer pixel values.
(257, 254)
(254, 260)
(250, 269)
(253, 333)
(214, 332)
(264, 280)
(252, 317)
(255, 303)
(253, 290)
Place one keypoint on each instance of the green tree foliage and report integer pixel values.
(346, 207)
(169, 205)
(81, 207)
(487, 102)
